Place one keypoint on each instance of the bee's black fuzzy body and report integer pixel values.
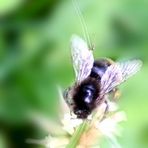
(87, 92)
(94, 78)
(99, 68)
(85, 96)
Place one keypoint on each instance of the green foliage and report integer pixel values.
(35, 55)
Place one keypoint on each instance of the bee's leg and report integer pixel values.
(107, 107)
(106, 110)
(116, 94)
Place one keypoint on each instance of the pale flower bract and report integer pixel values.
(73, 132)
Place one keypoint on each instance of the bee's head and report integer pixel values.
(81, 113)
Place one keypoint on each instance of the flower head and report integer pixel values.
(73, 132)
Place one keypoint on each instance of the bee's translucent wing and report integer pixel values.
(130, 68)
(118, 73)
(111, 78)
(82, 58)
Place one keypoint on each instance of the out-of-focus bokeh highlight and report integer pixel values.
(35, 57)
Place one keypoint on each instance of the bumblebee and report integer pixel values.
(94, 78)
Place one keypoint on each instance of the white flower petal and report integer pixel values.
(55, 142)
(63, 106)
(46, 123)
(69, 123)
(109, 126)
(112, 106)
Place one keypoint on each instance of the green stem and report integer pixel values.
(77, 135)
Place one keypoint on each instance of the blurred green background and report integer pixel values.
(35, 55)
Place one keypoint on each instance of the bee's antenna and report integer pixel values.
(83, 24)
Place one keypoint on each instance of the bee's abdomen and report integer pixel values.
(99, 68)
(86, 94)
